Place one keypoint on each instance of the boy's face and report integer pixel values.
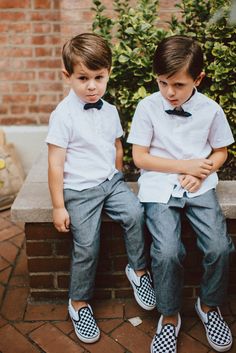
(178, 88)
(89, 85)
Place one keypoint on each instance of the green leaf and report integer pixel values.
(123, 58)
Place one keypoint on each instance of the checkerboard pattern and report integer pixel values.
(217, 330)
(165, 341)
(145, 291)
(85, 327)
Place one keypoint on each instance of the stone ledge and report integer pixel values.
(33, 203)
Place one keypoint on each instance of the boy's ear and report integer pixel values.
(65, 74)
(109, 72)
(199, 78)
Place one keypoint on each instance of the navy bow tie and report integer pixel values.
(178, 112)
(97, 105)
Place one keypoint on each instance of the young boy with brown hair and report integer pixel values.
(85, 177)
(179, 139)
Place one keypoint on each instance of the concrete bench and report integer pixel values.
(48, 251)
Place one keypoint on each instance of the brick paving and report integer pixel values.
(28, 327)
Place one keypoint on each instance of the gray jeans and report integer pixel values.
(167, 250)
(85, 208)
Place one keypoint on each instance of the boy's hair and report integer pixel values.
(176, 52)
(89, 49)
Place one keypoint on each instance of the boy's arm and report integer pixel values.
(119, 155)
(218, 157)
(191, 183)
(56, 159)
(200, 168)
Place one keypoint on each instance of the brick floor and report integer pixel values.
(27, 327)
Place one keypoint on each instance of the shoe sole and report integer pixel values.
(217, 348)
(144, 306)
(83, 339)
(151, 347)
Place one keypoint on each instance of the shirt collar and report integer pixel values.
(189, 104)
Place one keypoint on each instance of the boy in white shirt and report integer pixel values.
(179, 139)
(85, 177)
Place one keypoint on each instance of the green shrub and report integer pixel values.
(208, 22)
(134, 35)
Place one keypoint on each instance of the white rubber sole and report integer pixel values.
(83, 339)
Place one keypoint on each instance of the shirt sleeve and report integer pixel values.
(141, 131)
(220, 134)
(58, 131)
(119, 130)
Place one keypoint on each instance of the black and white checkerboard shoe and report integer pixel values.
(217, 331)
(165, 339)
(143, 289)
(84, 323)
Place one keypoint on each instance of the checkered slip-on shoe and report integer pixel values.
(143, 289)
(84, 323)
(217, 331)
(165, 339)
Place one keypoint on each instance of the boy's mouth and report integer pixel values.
(93, 96)
(173, 101)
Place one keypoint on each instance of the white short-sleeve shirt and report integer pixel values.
(175, 137)
(89, 139)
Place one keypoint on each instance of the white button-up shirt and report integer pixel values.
(89, 139)
(175, 137)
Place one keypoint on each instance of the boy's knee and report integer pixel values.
(134, 216)
(168, 253)
(218, 251)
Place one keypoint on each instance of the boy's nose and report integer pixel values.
(91, 85)
(170, 92)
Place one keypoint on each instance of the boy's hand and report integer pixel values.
(190, 182)
(61, 219)
(199, 168)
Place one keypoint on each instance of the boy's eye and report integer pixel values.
(162, 83)
(82, 78)
(99, 77)
(179, 85)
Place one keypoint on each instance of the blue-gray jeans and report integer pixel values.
(167, 250)
(85, 208)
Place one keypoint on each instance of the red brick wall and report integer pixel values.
(48, 255)
(31, 35)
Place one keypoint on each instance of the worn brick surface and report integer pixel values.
(50, 339)
(132, 338)
(45, 312)
(8, 251)
(65, 326)
(3, 322)
(12, 341)
(187, 344)
(108, 309)
(45, 327)
(3, 264)
(109, 325)
(26, 327)
(14, 304)
(5, 274)
(105, 344)
(9, 233)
